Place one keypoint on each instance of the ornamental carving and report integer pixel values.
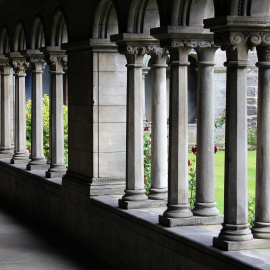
(57, 61)
(156, 51)
(37, 63)
(129, 49)
(235, 40)
(187, 43)
(19, 65)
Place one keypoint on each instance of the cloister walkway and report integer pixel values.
(28, 246)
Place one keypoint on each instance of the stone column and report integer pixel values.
(159, 182)
(145, 71)
(178, 204)
(134, 146)
(6, 149)
(19, 65)
(56, 60)
(236, 226)
(261, 228)
(38, 160)
(205, 163)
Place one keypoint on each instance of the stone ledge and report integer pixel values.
(241, 245)
(141, 204)
(191, 221)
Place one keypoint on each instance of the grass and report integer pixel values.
(219, 176)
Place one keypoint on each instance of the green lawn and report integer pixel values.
(219, 176)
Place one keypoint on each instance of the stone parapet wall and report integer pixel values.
(125, 239)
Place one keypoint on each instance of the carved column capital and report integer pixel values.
(37, 63)
(237, 44)
(56, 62)
(19, 66)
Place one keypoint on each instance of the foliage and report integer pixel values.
(219, 123)
(251, 210)
(252, 139)
(192, 181)
(46, 125)
(28, 112)
(147, 157)
(221, 120)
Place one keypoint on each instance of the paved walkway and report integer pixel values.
(24, 246)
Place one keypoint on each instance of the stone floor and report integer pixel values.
(25, 246)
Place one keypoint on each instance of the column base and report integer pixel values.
(205, 209)
(261, 230)
(37, 164)
(20, 157)
(6, 153)
(190, 221)
(141, 204)
(235, 233)
(55, 174)
(35, 167)
(98, 186)
(158, 194)
(240, 245)
(56, 171)
(178, 211)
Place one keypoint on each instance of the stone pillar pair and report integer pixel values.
(134, 47)
(178, 211)
(19, 65)
(37, 64)
(235, 233)
(5, 149)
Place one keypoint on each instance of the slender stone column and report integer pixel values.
(134, 158)
(145, 71)
(178, 204)
(19, 65)
(261, 228)
(6, 149)
(56, 59)
(205, 164)
(38, 160)
(236, 226)
(159, 182)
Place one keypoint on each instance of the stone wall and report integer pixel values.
(127, 240)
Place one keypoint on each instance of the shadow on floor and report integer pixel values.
(25, 245)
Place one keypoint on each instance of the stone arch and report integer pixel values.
(59, 30)
(4, 41)
(143, 15)
(19, 41)
(191, 12)
(37, 38)
(106, 21)
(258, 8)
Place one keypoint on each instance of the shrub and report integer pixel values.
(147, 157)
(46, 125)
(252, 139)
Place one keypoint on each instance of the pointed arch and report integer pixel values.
(106, 21)
(4, 41)
(59, 31)
(143, 15)
(37, 38)
(19, 40)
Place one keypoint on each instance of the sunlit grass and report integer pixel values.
(219, 176)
